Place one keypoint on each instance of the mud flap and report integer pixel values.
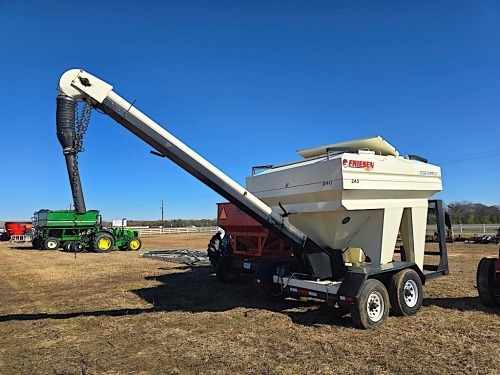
(351, 285)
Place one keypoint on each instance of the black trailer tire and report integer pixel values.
(272, 292)
(67, 246)
(225, 271)
(489, 292)
(51, 243)
(371, 308)
(76, 247)
(103, 243)
(406, 293)
(213, 250)
(36, 243)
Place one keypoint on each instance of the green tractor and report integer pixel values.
(80, 232)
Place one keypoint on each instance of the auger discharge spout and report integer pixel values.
(66, 134)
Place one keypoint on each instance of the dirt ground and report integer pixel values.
(118, 313)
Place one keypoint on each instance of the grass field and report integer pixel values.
(117, 313)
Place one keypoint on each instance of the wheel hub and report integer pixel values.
(410, 293)
(375, 307)
(104, 243)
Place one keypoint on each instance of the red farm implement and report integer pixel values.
(244, 244)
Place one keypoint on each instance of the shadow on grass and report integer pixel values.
(196, 289)
(460, 304)
(27, 247)
(41, 316)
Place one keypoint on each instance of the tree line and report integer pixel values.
(460, 213)
(473, 213)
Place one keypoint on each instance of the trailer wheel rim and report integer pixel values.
(51, 244)
(410, 293)
(375, 306)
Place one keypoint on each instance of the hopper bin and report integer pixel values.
(354, 196)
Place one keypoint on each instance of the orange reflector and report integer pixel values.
(223, 215)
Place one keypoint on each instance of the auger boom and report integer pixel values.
(342, 209)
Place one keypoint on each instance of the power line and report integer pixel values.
(470, 172)
(466, 157)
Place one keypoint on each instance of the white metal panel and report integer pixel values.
(376, 144)
(80, 84)
(353, 200)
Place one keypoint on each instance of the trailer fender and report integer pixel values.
(351, 285)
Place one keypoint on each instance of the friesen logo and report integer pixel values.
(366, 165)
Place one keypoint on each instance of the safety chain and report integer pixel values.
(81, 124)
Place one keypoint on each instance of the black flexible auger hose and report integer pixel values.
(66, 134)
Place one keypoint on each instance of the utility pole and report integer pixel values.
(161, 214)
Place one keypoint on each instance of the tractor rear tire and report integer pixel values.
(489, 292)
(406, 293)
(371, 309)
(51, 243)
(103, 243)
(225, 271)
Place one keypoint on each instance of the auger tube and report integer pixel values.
(79, 84)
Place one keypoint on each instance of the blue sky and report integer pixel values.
(246, 83)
